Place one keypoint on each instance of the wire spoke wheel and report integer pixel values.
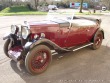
(38, 59)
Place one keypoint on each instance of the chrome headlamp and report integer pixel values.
(36, 36)
(42, 35)
(25, 32)
(13, 29)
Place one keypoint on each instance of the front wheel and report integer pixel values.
(7, 46)
(38, 59)
(97, 40)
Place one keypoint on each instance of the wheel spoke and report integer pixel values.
(40, 60)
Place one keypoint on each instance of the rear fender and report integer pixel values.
(99, 30)
(103, 33)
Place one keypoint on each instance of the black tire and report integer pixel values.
(36, 62)
(97, 40)
(6, 47)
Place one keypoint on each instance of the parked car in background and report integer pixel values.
(32, 42)
(104, 8)
(52, 7)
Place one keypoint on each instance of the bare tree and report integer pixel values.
(36, 3)
(81, 6)
(11, 2)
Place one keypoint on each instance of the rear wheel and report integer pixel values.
(97, 40)
(38, 59)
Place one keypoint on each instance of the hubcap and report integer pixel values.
(40, 60)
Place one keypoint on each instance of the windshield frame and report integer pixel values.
(58, 15)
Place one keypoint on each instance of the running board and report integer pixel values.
(82, 47)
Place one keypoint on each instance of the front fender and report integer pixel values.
(45, 42)
(9, 36)
(13, 38)
(6, 36)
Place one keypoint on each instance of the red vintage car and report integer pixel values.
(33, 41)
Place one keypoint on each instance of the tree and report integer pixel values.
(106, 3)
(11, 2)
(81, 6)
(36, 3)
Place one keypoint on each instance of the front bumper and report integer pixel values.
(15, 53)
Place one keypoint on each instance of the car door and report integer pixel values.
(76, 35)
(63, 34)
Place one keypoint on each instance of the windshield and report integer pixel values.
(60, 15)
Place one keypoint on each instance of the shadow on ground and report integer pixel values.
(72, 67)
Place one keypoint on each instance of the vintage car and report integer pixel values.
(32, 42)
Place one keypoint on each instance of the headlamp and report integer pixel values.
(13, 29)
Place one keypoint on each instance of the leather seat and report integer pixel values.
(82, 22)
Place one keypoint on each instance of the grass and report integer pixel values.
(23, 13)
(24, 10)
(15, 9)
(40, 13)
(20, 10)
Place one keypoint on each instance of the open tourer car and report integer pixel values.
(63, 32)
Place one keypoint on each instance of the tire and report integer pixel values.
(38, 59)
(97, 41)
(7, 47)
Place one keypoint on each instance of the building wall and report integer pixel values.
(77, 5)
